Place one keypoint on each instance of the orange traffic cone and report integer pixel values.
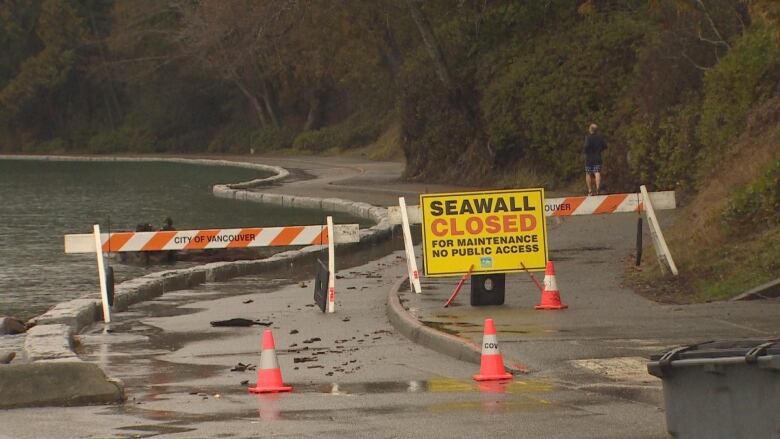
(269, 376)
(492, 364)
(551, 298)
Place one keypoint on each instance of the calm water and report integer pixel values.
(40, 201)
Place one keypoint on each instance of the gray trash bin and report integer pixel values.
(723, 389)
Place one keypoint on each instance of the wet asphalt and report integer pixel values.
(354, 375)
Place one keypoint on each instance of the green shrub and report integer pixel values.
(746, 74)
(53, 146)
(357, 130)
(125, 139)
(661, 147)
(269, 139)
(538, 109)
(757, 206)
(230, 138)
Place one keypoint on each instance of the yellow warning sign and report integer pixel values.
(495, 231)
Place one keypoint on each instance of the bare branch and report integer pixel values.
(714, 42)
(700, 5)
(700, 67)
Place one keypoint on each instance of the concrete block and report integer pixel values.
(49, 342)
(76, 314)
(306, 203)
(273, 199)
(56, 384)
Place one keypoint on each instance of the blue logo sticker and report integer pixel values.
(486, 262)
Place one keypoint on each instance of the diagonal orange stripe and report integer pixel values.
(158, 241)
(573, 202)
(245, 241)
(116, 241)
(287, 235)
(322, 238)
(201, 240)
(610, 203)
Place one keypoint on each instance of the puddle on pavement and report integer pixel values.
(445, 327)
(463, 328)
(520, 395)
(130, 352)
(436, 385)
(154, 430)
(578, 249)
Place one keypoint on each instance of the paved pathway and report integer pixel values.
(587, 362)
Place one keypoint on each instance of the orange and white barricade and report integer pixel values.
(213, 239)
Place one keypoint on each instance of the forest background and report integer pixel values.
(484, 92)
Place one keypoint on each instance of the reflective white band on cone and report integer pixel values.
(268, 359)
(550, 284)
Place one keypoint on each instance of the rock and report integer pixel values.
(10, 326)
(240, 367)
(7, 357)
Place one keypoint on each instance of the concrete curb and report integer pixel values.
(768, 290)
(57, 384)
(279, 172)
(433, 339)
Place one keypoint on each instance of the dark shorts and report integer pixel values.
(591, 169)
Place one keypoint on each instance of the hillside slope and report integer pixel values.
(726, 239)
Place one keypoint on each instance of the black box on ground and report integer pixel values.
(488, 289)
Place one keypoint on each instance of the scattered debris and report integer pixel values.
(244, 382)
(294, 331)
(248, 301)
(304, 359)
(312, 340)
(240, 322)
(345, 319)
(240, 367)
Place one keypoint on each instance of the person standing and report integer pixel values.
(594, 145)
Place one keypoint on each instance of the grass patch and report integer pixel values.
(737, 266)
